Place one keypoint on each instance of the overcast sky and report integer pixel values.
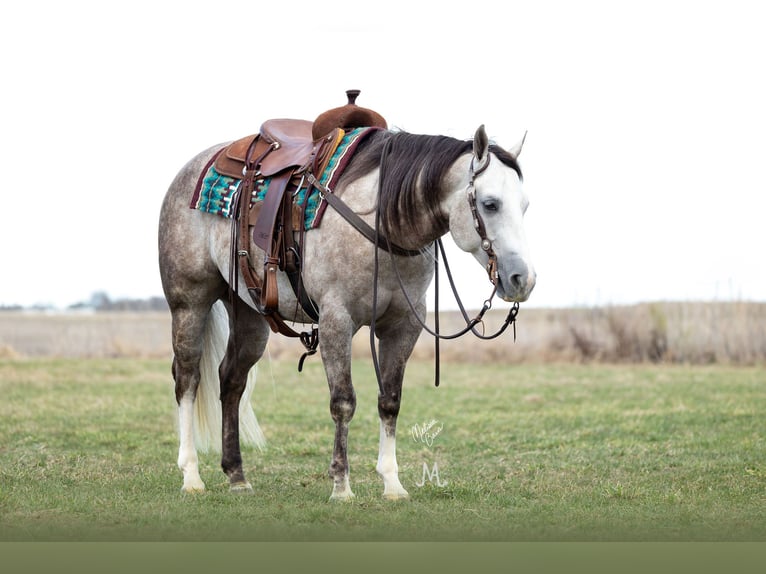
(644, 160)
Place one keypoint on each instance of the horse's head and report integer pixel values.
(486, 217)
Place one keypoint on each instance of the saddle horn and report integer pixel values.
(347, 117)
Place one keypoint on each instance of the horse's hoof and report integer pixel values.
(342, 497)
(241, 488)
(193, 489)
(396, 495)
(193, 486)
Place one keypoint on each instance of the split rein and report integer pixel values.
(471, 324)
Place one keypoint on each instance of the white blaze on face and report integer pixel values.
(501, 203)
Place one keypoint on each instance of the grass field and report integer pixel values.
(525, 453)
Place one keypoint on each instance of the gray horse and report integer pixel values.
(421, 187)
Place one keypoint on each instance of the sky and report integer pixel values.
(644, 159)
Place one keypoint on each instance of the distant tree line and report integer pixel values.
(100, 301)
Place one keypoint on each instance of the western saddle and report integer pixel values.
(289, 152)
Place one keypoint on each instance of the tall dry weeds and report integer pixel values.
(678, 332)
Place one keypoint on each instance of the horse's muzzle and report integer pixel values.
(518, 285)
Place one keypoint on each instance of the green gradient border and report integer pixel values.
(368, 557)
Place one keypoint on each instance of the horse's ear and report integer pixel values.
(516, 150)
(480, 144)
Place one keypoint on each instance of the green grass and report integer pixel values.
(549, 453)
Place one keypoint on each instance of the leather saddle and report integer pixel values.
(284, 150)
(281, 144)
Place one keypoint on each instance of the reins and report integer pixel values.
(471, 324)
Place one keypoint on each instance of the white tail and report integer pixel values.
(207, 407)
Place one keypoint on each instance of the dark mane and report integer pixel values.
(506, 158)
(411, 160)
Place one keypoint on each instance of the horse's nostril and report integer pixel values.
(518, 280)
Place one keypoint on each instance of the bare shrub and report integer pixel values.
(622, 328)
(585, 346)
(8, 352)
(658, 334)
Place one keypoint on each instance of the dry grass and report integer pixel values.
(82, 335)
(694, 333)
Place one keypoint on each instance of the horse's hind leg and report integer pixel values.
(396, 344)
(188, 329)
(247, 341)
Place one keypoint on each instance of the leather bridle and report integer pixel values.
(478, 222)
(471, 324)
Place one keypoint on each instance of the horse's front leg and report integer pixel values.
(396, 344)
(337, 330)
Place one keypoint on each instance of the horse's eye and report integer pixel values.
(491, 205)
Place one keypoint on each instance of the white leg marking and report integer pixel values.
(187, 453)
(388, 469)
(342, 492)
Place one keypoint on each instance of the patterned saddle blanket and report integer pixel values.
(214, 191)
